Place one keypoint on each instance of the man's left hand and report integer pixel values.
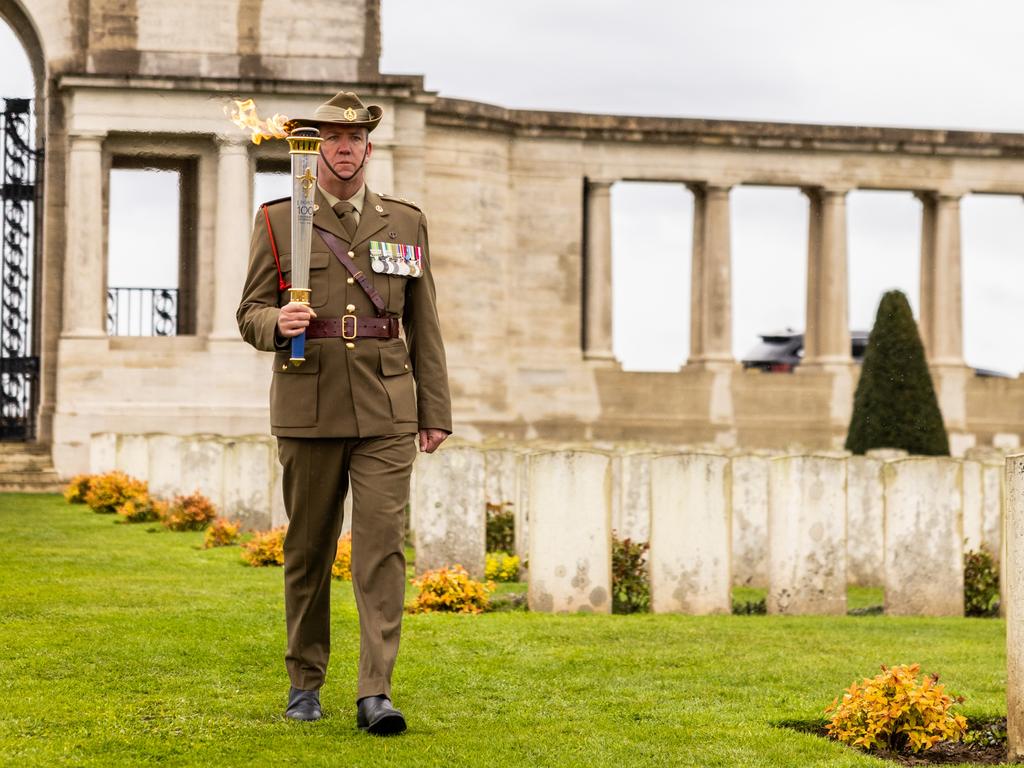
(431, 438)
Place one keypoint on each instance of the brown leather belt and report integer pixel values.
(352, 327)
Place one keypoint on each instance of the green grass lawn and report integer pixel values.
(121, 646)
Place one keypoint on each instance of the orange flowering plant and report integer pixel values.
(191, 512)
(142, 509)
(109, 491)
(265, 548)
(450, 589)
(221, 533)
(894, 711)
(342, 568)
(77, 488)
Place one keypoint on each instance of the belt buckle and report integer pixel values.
(355, 327)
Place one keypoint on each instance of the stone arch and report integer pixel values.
(25, 29)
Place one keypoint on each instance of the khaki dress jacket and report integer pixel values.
(377, 386)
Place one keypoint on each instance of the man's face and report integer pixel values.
(344, 148)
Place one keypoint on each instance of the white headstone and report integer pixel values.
(165, 474)
(972, 505)
(133, 456)
(1014, 607)
(865, 516)
(102, 453)
(690, 534)
(450, 509)
(992, 475)
(807, 535)
(248, 481)
(924, 566)
(202, 467)
(631, 495)
(570, 532)
(750, 521)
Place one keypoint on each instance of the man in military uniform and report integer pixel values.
(349, 415)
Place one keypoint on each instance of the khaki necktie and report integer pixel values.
(347, 216)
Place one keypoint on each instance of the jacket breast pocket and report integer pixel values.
(396, 376)
(319, 287)
(396, 294)
(293, 391)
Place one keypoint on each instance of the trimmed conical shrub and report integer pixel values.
(895, 404)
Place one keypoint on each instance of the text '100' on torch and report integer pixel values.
(304, 148)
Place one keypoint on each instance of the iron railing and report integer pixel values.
(20, 167)
(142, 311)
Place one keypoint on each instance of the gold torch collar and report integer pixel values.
(304, 141)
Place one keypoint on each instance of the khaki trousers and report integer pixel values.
(317, 475)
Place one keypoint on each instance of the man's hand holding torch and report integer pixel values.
(293, 319)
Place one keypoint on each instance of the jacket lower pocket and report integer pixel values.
(293, 391)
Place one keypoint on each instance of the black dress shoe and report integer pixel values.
(303, 705)
(377, 715)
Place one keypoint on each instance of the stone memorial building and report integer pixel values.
(525, 290)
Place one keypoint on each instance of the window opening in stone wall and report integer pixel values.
(652, 243)
(884, 253)
(769, 272)
(992, 238)
(151, 248)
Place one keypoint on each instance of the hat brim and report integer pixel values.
(329, 115)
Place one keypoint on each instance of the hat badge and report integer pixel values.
(350, 114)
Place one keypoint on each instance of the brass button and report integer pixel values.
(350, 308)
(284, 367)
(349, 345)
(407, 366)
(350, 281)
(351, 253)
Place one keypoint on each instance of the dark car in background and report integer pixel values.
(783, 351)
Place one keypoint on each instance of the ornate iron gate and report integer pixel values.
(19, 197)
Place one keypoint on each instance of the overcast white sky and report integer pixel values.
(927, 63)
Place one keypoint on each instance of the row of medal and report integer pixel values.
(396, 259)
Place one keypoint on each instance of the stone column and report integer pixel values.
(597, 300)
(941, 284)
(1014, 606)
(827, 334)
(231, 238)
(941, 320)
(711, 277)
(85, 268)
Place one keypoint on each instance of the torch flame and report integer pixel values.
(245, 116)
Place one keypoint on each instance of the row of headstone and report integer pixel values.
(241, 476)
(797, 525)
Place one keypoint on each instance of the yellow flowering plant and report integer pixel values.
(450, 589)
(894, 711)
(501, 566)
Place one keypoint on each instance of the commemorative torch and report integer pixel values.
(304, 147)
